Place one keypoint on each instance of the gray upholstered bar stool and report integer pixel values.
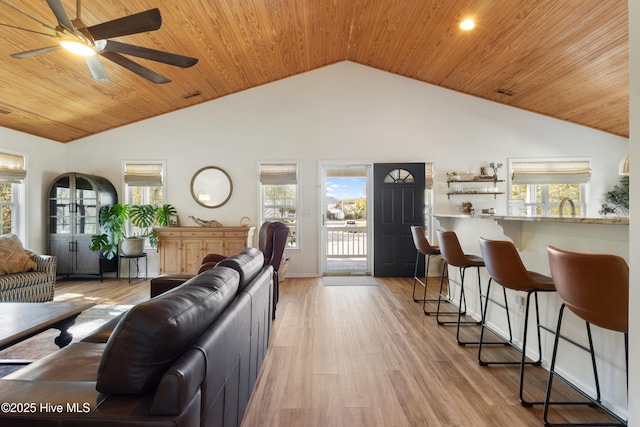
(424, 249)
(595, 287)
(505, 267)
(453, 255)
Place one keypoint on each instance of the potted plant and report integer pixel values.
(147, 217)
(113, 221)
(494, 168)
(616, 201)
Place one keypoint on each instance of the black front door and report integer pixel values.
(398, 203)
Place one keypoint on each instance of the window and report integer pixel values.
(279, 197)
(543, 184)
(12, 175)
(143, 185)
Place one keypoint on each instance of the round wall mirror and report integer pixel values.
(211, 187)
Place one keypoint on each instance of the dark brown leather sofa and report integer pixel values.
(272, 240)
(189, 357)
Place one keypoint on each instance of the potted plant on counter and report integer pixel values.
(113, 221)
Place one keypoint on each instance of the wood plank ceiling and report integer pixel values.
(566, 59)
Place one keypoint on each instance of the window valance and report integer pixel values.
(12, 168)
(143, 175)
(551, 172)
(278, 174)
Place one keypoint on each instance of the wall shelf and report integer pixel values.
(474, 180)
(472, 192)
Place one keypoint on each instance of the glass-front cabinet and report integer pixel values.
(74, 206)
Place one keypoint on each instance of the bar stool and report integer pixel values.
(453, 255)
(506, 268)
(424, 248)
(595, 287)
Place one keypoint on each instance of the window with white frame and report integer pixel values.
(279, 197)
(544, 183)
(12, 193)
(143, 184)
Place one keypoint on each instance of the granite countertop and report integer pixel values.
(613, 220)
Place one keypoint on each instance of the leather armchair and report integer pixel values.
(272, 239)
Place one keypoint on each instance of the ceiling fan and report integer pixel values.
(92, 41)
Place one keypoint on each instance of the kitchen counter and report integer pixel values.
(610, 220)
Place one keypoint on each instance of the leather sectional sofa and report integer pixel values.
(188, 357)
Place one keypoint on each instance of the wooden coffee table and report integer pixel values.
(22, 320)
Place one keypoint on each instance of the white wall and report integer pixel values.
(341, 112)
(45, 159)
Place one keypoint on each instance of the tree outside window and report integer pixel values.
(7, 208)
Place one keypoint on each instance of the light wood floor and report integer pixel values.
(368, 356)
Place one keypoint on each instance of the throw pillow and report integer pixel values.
(13, 257)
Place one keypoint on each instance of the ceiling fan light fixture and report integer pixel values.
(77, 48)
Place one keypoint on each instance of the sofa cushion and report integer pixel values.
(153, 335)
(247, 263)
(13, 257)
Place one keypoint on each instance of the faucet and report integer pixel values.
(573, 206)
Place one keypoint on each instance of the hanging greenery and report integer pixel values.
(616, 201)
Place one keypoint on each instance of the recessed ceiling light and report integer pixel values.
(467, 24)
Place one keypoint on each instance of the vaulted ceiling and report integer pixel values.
(566, 59)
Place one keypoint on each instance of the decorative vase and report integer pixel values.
(132, 246)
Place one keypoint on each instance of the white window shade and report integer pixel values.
(550, 172)
(143, 175)
(12, 168)
(279, 174)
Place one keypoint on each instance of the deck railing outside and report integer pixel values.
(346, 241)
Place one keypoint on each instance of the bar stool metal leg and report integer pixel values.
(447, 299)
(509, 340)
(591, 400)
(417, 280)
(441, 298)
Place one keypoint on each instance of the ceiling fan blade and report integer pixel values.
(96, 69)
(35, 52)
(151, 54)
(26, 29)
(142, 22)
(152, 76)
(61, 14)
